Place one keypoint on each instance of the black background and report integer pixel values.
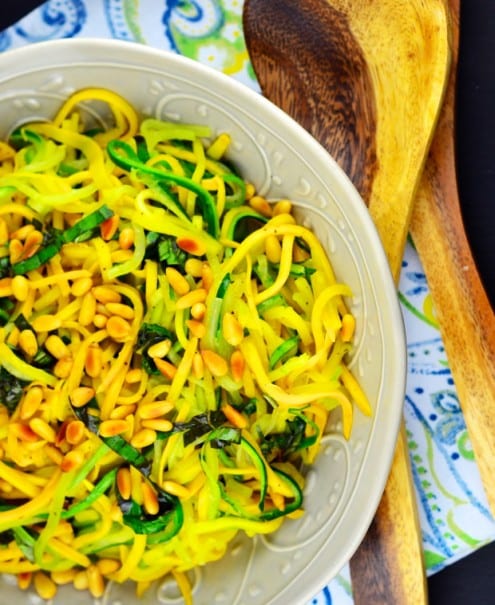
(471, 581)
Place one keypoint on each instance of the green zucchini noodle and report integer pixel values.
(171, 348)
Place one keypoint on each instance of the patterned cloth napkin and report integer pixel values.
(454, 514)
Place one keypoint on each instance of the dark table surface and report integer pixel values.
(471, 581)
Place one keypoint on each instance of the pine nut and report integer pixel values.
(273, 249)
(198, 311)
(237, 365)
(120, 309)
(75, 432)
(63, 367)
(250, 191)
(87, 310)
(13, 337)
(105, 294)
(196, 328)
(176, 489)
(110, 428)
(109, 227)
(122, 411)
(191, 298)
(234, 416)
(118, 328)
(54, 454)
(16, 249)
(20, 287)
(160, 349)
(108, 566)
(150, 499)
(191, 245)
(126, 238)
(80, 581)
(63, 577)
(121, 256)
(155, 409)
(24, 580)
(198, 367)
(56, 346)
(260, 204)
(232, 330)
(96, 585)
(22, 232)
(143, 438)
(44, 585)
(81, 396)
(124, 483)
(32, 243)
(93, 364)
(28, 343)
(81, 286)
(100, 321)
(158, 424)
(134, 376)
(194, 267)
(46, 323)
(177, 281)
(165, 368)
(23, 432)
(72, 460)
(282, 207)
(207, 277)
(215, 363)
(348, 327)
(299, 255)
(31, 402)
(42, 429)
(5, 287)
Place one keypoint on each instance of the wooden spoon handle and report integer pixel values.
(465, 317)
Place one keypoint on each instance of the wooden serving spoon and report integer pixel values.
(367, 80)
(465, 317)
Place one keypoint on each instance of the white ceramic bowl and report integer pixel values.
(282, 160)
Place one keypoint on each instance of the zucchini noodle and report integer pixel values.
(172, 347)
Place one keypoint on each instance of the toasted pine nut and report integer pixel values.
(282, 207)
(23, 432)
(63, 577)
(273, 249)
(124, 484)
(122, 411)
(232, 330)
(43, 429)
(198, 367)
(176, 489)
(20, 287)
(94, 361)
(105, 294)
(198, 310)
(117, 328)
(120, 309)
(197, 328)
(72, 460)
(143, 438)
(63, 367)
(126, 238)
(150, 499)
(191, 298)
(22, 232)
(261, 205)
(154, 409)
(16, 249)
(32, 243)
(31, 402)
(44, 585)
(237, 365)
(133, 376)
(299, 255)
(165, 368)
(28, 343)
(100, 320)
(160, 349)
(96, 585)
(191, 244)
(177, 281)
(75, 432)
(81, 396)
(5, 287)
(215, 363)
(348, 327)
(81, 286)
(24, 580)
(80, 581)
(46, 323)
(207, 277)
(158, 424)
(110, 428)
(56, 346)
(87, 310)
(234, 416)
(53, 453)
(194, 267)
(109, 227)
(108, 566)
